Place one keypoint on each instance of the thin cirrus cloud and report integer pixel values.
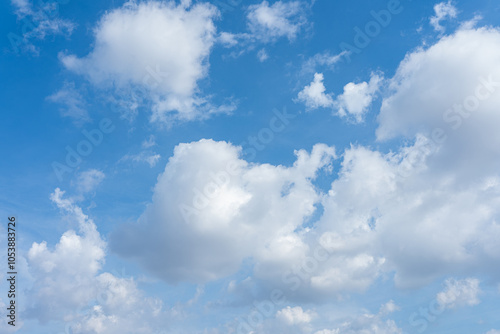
(73, 103)
(332, 229)
(459, 293)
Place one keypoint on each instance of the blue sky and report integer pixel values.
(323, 167)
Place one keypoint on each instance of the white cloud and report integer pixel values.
(353, 103)
(212, 210)
(88, 180)
(43, 20)
(356, 99)
(150, 158)
(74, 103)
(442, 10)
(458, 293)
(148, 143)
(159, 46)
(281, 19)
(429, 95)
(427, 83)
(228, 39)
(294, 316)
(68, 284)
(493, 331)
(314, 95)
(418, 212)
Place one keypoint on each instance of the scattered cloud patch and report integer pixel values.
(151, 158)
(366, 323)
(443, 11)
(88, 180)
(281, 19)
(294, 316)
(458, 293)
(314, 96)
(148, 143)
(324, 59)
(353, 103)
(356, 98)
(41, 20)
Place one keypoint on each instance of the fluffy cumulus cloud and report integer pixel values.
(68, 283)
(281, 19)
(368, 323)
(356, 98)
(211, 209)
(314, 96)
(161, 49)
(87, 181)
(459, 293)
(442, 11)
(353, 103)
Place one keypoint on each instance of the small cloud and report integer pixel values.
(388, 308)
(89, 180)
(357, 98)
(322, 59)
(458, 293)
(472, 23)
(150, 142)
(442, 10)
(353, 102)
